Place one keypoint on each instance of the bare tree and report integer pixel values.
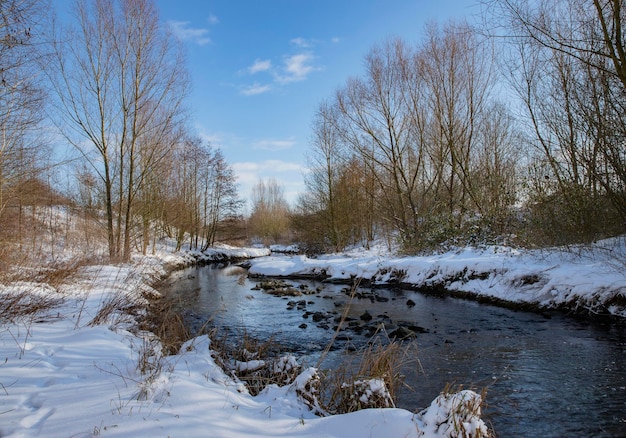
(198, 192)
(220, 198)
(157, 158)
(339, 207)
(458, 73)
(22, 108)
(270, 213)
(376, 122)
(21, 95)
(415, 123)
(324, 163)
(590, 31)
(120, 80)
(571, 77)
(497, 160)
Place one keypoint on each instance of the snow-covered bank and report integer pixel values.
(80, 368)
(586, 280)
(223, 253)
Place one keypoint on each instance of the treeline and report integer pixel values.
(113, 82)
(516, 129)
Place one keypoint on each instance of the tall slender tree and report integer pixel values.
(21, 93)
(120, 81)
(412, 139)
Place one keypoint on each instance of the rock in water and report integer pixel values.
(366, 316)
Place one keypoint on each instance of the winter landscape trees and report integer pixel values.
(120, 83)
(457, 148)
(567, 66)
(512, 128)
(117, 82)
(269, 219)
(511, 131)
(21, 98)
(433, 147)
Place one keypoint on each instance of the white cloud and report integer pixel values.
(248, 173)
(213, 139)
(182, 30)
(294, 68)
(335, 40)
(274, 145)
(213, 19)
(297, 67)
(255, 89)
(220, 139)
(302, 42)
(271, 166)
(260, 65)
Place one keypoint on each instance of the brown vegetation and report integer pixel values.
(269, 219)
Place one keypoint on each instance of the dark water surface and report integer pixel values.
(545, 376)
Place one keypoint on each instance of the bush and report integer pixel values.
(571, 215)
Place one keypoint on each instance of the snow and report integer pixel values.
(285, 364)
(448, 412)
(251, 365)
(287, 249)
(223, 252)
(371, 387)
(585, 279)
(81, 368)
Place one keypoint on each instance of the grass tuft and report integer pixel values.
(165, 320)
(372, 383)
(14, 306)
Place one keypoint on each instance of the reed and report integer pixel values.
(164, 319)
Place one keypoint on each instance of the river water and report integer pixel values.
(545, 375)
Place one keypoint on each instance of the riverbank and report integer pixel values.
(75, 363)
(585, 280)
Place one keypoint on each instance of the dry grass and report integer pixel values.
(164, 319)
(348, 387)
(46, 234)
(113, 308)
(20, 308)
(149, 364)
(28, 301)
(257, 364)
(340, 390)
(26, 304)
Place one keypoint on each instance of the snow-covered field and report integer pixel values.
(82, 369)
(587, 279)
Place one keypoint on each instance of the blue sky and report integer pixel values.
(260, 69)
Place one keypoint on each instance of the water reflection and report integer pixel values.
(544, 376)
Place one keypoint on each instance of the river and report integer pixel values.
(546, 375)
